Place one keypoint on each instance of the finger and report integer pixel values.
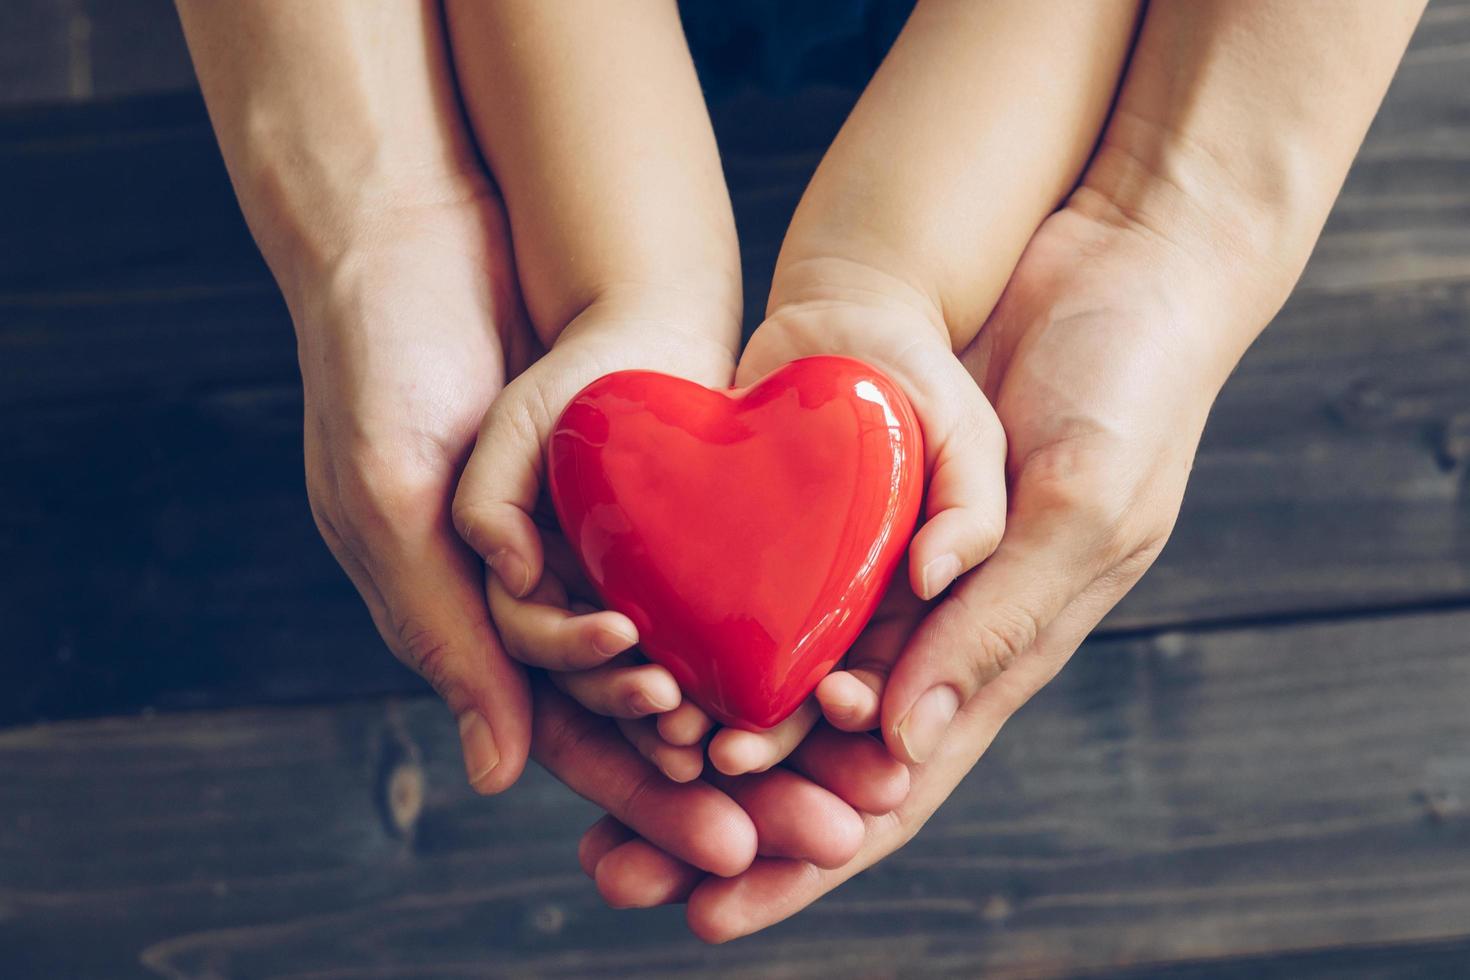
(685, 725)
(796, 818)
(540, 631)
(965, 506)
(637, 875)
(597, 840)
(497, 492)
(850, 699)
(1052, 552)
(560, 561)
(679, 763)
(695, 822)
(771, 890)
(721, 909)
(427, 600)
(734, 751)
(622, 689)
(857, 768)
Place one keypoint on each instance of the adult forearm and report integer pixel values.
(1235, 127)
(592, 121)
(329, 113)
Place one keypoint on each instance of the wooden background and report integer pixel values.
(210, 767)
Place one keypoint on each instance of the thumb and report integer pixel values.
(965, 509)
(426, 595)
(1048, 557)
(501, 482)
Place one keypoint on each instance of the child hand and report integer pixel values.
(542, 607)
(964, 502)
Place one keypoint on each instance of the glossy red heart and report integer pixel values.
(748, 533)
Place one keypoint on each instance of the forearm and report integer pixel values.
(976, 126)
(592, 121)
(1236, 125)
(329, 114)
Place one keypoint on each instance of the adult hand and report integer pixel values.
(1102, 359)
(1127, 310)
(345, 140)
(404, 342)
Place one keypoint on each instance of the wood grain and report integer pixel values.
(1183, 797)
(151, 499)
(1265, 797)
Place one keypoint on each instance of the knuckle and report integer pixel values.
(322, 500)
(894, 828)
(1132, 561)
(331, 527)
(995, 641)
(1138, 539)
(1071, 484)
(1055, 483)
(379, 487)
(998, 644)
(429, 652)
(986, 530)
(467, 518)
(519, 415)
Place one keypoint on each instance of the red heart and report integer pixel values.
(749, 533)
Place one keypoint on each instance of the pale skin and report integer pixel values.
(363, 183)
(1235, 126)
(1061, 365)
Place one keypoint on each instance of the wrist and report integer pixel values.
(841, 308)
(702, 316)
(1249, 217)
(308, 219)
(806, 285)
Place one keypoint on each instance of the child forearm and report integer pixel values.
(976, 126)
(592, 121)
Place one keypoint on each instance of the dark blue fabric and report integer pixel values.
(781, 45)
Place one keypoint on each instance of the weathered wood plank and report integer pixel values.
(1352, 961)
(137, 46)
(149, 409)
(1188, 796)
(35, 51)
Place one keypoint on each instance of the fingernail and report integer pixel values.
(478, 742)
(608, 641)
(928, 718)
(937, 575)
(514, 574)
